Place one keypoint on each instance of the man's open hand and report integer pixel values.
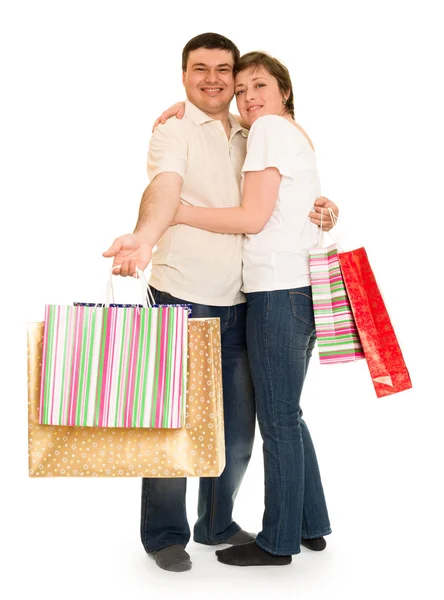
(129, 251)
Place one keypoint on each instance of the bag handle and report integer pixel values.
(334, 220)
(147, 295)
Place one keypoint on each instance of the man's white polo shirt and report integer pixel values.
(189, 263)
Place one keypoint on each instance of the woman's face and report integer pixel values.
(257, 94)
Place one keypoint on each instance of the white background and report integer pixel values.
(82, 83)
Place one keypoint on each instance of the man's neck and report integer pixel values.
(224, 119)
(227, 126)
(222, 116)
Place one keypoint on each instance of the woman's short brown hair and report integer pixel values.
(275, 68)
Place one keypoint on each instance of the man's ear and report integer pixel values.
(184, 74)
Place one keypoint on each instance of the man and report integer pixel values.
(198, 160)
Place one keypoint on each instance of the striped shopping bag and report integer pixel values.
(114, 366)
(337, 335)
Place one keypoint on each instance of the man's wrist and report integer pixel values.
(143, 235)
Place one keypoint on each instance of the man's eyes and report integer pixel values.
(219, 70)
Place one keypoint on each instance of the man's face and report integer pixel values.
(208, 80)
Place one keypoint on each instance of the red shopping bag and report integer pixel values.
(381, 348)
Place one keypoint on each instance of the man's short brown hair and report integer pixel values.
(212, 41)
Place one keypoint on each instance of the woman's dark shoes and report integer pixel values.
(316, 544)
(250, 555)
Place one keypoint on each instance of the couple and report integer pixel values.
(204, 183)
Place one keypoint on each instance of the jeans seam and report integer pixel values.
(144, 514)
(212, 503)
(270, 380)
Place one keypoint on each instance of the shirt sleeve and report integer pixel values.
(271, 144)
(168, 150)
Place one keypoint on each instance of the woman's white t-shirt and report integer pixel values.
(277, 257)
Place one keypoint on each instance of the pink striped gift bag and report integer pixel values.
(337, 335)
(114, 366)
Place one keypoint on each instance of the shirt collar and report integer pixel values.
(195, 114)
(199, 117)
(235, 127)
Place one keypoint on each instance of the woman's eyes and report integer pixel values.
(238, 93)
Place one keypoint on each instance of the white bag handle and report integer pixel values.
(147, 292)
(334, 220)
(147, 295)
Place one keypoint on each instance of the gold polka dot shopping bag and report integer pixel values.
(195, 450)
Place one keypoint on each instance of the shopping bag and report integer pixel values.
(381, 348)
(336, 332)
(196, 450)
(114, 366)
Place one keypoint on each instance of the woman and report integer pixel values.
(280, 186)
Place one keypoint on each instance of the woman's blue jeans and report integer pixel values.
(280, 340)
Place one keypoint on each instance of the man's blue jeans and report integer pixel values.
(163, 516)
(280, 338)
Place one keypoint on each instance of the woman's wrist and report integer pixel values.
(180, 216)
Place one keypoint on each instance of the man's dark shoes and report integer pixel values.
(173, 558)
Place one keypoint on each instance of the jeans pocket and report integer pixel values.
(302, 306)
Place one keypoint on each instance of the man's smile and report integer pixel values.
(212, 91)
